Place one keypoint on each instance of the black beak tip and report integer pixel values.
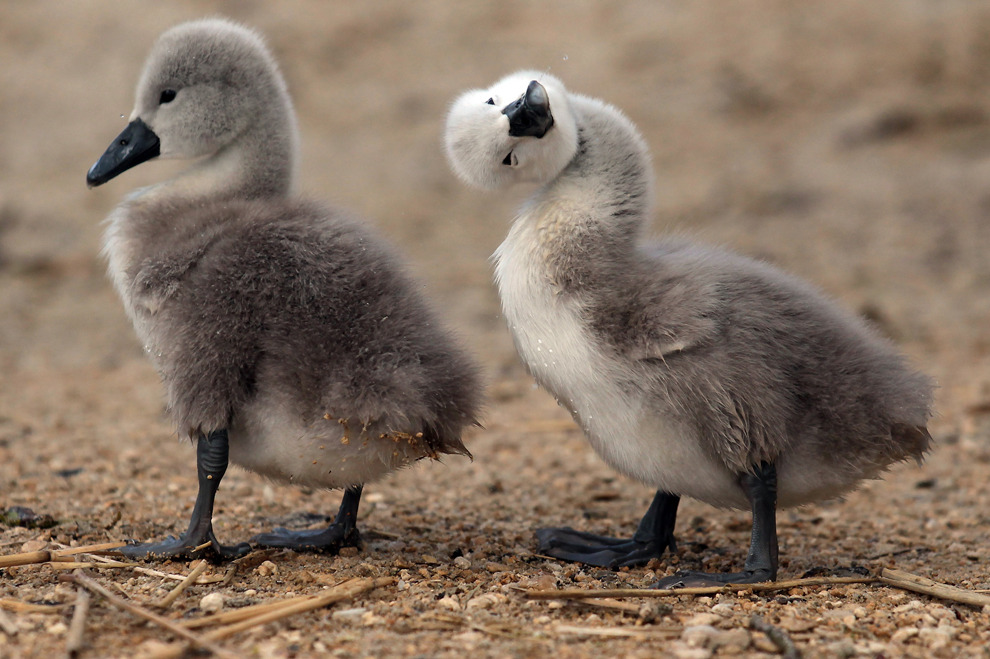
(536, 96)
(136, 144)
(529, 115)
(93, 179)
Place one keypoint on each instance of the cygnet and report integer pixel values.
(694, 370)
(287, 338)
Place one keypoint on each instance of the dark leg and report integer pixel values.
(761, 563)
(342, 533)
(654, 534)
(211, 465)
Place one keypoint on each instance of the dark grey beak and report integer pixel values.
(136, 144)
(529, 116)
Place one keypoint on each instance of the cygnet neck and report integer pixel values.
(591, 216)
(261, 163)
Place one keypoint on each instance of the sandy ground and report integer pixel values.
(848, 143)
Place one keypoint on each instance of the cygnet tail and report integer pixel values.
(916, 440)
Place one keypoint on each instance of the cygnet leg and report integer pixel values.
(211, 465)
(654, 534)
(761, 563)
(342, 533)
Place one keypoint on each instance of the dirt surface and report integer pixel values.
(848, 142)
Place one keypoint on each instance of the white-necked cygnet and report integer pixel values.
(694, 370)
(287, 337)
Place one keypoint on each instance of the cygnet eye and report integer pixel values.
(490, 101)
(167, 96)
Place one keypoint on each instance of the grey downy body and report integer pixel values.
(282, 329)
(692, 369)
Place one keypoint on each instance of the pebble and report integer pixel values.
(211, 603)
(699, 636)
(34, 545)
(903, 634)
(703, 619)
(462, 563)
(681, 650)
(266, 569)
(910, 606)
(372, 619)
(449, 603)
(737, 638)
(934, 638)
(486, 601)
(349, 615)
(725, 609)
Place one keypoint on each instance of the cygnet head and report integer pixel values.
(519, 130)
(205, 84)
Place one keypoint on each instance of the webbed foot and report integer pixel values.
(211, 465)
(342, 533)
(186, 549)
(692, 579)
(329, 540)
(654, 535)
(568, 544)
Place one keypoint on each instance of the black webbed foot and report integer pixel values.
(329, 540)
(186, 548)
(760, 488)
(211, 465)
(692, 579)
(342, 533)
(568, 544)
(654, 535)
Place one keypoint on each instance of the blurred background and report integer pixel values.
(847, 142)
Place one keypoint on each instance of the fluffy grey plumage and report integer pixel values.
(284, 323)
(688, 367)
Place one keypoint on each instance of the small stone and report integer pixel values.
(348, 552)
(947, 627)
(349, 615)
(682, 650)
(844, 648)
(703, 619)
(763, 644)
(934, 639)
(58, 628)
(211, 603)
(542, 620)
(486, 601)
(462, 563)
(449, 603)
(699, 636)
(725, 609)
(371, 619)
(910, 606)
(266, 569)
(652, 611)
(860, 612)
(34, 545)
(903, 634)
(737, 638)
(250, 592)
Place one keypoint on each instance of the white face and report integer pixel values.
(483, 153)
